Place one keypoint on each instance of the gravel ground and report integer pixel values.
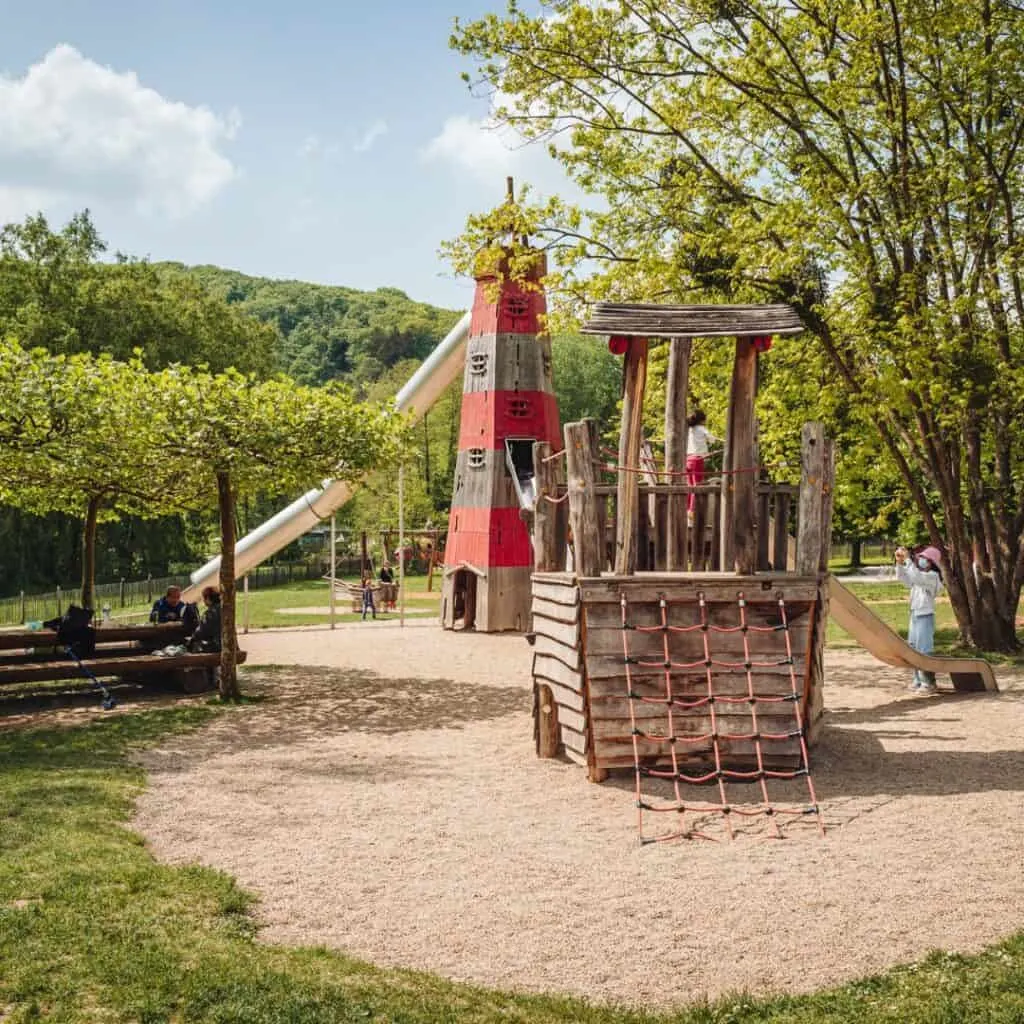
(390, 805)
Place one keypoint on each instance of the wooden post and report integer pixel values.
(580, 454)
(549, 737)
(828, 476)
(812, 471)
(627, 511)
(545, 512)
(364, 559)
(780, 545)
(699, 533)
(401, 545)
(602, 529)
(433, 559)
(675, 450)
(334, 561)
(763, 526)
(740, 533)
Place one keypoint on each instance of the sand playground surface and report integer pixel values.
(389, 804)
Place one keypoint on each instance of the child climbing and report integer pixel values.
(922, 575)
(698, 447)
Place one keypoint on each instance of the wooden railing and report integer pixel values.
(702, 544)
(722, 534)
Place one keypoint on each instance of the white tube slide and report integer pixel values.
(420, 392)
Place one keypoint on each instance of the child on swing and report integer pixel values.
(922, 575)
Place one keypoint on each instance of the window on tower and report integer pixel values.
(478, 363)
(475, 458)
(518, 407)
(517, 306)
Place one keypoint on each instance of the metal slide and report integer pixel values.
(880, 641)
(422, 390)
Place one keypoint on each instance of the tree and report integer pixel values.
(246, 436)
(77, 437)
(587, 378)
(862, 162)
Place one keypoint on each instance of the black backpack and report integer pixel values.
(75, 631)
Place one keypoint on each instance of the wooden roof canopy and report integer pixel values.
(651, 320)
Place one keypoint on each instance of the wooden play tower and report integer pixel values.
(508, 405)
(686, 648)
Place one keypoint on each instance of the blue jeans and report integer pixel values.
(921, 636)
(368, 605)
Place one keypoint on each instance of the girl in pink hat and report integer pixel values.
(922, 574)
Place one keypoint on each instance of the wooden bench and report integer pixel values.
(122, 652)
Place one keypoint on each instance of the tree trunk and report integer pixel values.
(89, 553)
(228, 637)
(856, 552)
(985, 618)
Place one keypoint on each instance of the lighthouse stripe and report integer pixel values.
(488, 417)
(487, 537)
(507, 362)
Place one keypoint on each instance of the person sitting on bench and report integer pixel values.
(170, 607)
(207, 635)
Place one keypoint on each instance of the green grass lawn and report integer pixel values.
(92, 929)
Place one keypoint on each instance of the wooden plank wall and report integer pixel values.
(558, 656)
(607, 708)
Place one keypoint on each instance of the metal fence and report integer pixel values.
(139, 594)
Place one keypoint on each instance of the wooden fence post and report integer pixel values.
(812, 472)
(580, 454)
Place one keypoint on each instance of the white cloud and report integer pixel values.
(73, 129)
(370, 136)
(477, 146)
(315, 148)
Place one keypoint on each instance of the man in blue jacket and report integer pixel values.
(170, 607)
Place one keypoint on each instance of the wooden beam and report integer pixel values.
(812, 472)
(741, 532)
(628, 505)
(676, 388)
(545, 514)
(580, 454)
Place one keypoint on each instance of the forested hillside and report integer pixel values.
(329, 331)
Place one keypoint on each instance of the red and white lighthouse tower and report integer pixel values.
(507, 404)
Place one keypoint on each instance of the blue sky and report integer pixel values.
(330, 142)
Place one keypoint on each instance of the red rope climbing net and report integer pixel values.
(695, 718)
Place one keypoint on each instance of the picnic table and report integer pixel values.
(122, 652)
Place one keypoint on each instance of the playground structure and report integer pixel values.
(508, 405)
(697, 659)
